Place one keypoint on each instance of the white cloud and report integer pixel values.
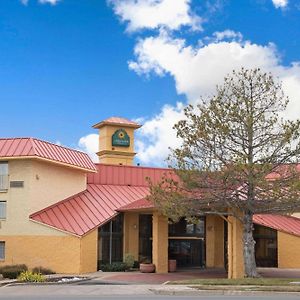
(90, 145)
(154, 14)
(52, 2)
(280, 3)
(227, 34)
(160, 134)
(197, 71)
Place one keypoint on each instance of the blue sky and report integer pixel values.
(68, 64)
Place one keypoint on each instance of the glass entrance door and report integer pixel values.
(188, 253)
(187, 243)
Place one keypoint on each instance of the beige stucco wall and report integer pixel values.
(60, 253)
(160, 243)
(88, 252)
(131, 234)
(288, 250)
(113, 154)
(63, 254)
(214, 242)
(235, 248)
(44, 184)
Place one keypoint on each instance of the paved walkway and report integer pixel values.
(153, 278)
(279, 273)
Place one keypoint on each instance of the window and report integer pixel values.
(2, 250)
(2, 210)
(111, 241)
(3, 175)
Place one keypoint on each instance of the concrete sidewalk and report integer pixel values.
(154, 278)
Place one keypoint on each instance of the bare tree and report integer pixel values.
(238, 157)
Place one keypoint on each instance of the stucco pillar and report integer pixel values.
(160, 243)
(131, 234)
(214, 242)
(235, 248)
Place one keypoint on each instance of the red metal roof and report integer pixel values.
(88, 210)
(30, 147)
(127, 175)
(138, 204)
(286, 224)
(118, 121)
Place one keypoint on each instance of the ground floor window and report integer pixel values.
(110, 243)
(2, 250)
(265, 246)
(145, 238)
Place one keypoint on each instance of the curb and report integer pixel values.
(194, 292)
(18, 283)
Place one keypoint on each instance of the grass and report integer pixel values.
(239, 282)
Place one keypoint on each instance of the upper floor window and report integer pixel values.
(2, 210)
(3, 175)
(2, 250)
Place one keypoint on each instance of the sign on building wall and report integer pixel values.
(120, 138)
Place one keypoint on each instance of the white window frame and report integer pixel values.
(2, 250)
(4, 209)
(4, 176)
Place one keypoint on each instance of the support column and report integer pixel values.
(214, 242)
(131, 234)
(160, 243)
(235, 249)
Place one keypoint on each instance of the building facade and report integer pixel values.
(60, 210)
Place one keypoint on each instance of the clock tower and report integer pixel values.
(116, 141)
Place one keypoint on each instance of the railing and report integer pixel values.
(3, 182)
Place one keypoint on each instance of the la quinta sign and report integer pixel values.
(120, 138)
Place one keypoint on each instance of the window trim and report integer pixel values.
(2, 243)
(5, 210)
(4, 177)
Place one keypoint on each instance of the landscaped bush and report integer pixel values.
(28, 276)
(136, 264)
(129, 260)
(42, 270)
(114, 267)
(12, 271)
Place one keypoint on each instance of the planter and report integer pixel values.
(147, 268)
(172, 265)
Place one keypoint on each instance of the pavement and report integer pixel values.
(136, 283)
(154, 278)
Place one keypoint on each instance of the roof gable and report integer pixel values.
(34, 148)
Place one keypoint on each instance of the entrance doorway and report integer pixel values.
(187, 243)
(266, 248)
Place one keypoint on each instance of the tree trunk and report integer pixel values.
(249, 246)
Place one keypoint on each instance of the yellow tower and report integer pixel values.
(116, 141)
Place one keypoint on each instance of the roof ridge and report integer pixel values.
(137, 167)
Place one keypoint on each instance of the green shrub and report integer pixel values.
(129, 260)
(28, 276)
(12, 271)
(114, 267)
(42, 270)
(136, 264)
